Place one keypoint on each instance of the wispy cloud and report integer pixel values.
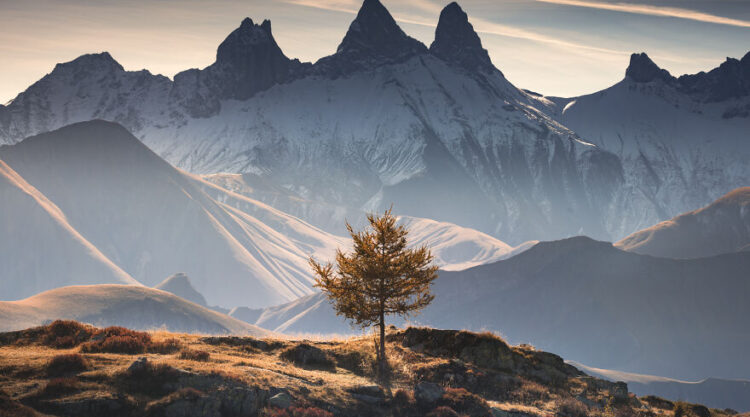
(654, 11)
(481, 25)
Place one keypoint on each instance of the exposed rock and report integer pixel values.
(374, 39)
(428, 392)
(138, 366)
(281, 400)
(457, 42)
(642, 69)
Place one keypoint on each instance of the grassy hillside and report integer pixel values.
(69, 369)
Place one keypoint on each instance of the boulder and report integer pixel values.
(428, 392)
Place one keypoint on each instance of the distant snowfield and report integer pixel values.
(457, 248)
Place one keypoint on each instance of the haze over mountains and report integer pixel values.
(134, 219)
(712, 392)
(152, 220)
(588, 300)
(135, 307)
(721, 227)
(234, 175)
(387, 120)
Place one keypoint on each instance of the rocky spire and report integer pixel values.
(247, 61)
(374, 38)
(642, 69)
(457, 42)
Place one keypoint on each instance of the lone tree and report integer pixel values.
(380, 277)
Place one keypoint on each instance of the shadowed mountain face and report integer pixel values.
(151, 219)
(39, 249)
(134, 307)
(590, 301)
(179, 285)
(721, 227)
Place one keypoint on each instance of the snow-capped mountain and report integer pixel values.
(438, 131)
(454, 247)
(683, 142)
(90, 204)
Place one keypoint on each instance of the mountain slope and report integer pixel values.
(39, 249)
(713, 392)
(383, 120)
(721, 227)
(590, 301)
(682, 141)
(120, 305)
(153, 220)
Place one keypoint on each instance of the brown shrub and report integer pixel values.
(658, 402)
(64, 334)
(443, 411)
(529, 393)
(117, 339)
(60, 386)
(150, 378)
(464, 401)
(403, 403)
(67, 364)
(165, 347)
(570, 407)
(680, 409)
(297, 412)
(307, 355)
(195, 355)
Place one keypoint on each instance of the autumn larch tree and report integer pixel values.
(381, 276)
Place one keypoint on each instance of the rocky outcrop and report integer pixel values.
(373, 39)
(642, 69)
(457, 42)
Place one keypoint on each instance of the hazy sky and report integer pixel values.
(555, 47)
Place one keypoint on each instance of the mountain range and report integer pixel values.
(586, 299)
(388, 120)
(90, 204)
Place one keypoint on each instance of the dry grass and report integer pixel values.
(195, 355)
(241, 361)
(70, 363)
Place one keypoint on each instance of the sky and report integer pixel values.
(553, 47)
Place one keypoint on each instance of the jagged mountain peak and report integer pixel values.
(457, 41)
(248, 61)
(100, 62)
(373, 38)
(242, 43)
(642, 69)
(729, 80)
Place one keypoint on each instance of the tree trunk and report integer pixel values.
(383, 359)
